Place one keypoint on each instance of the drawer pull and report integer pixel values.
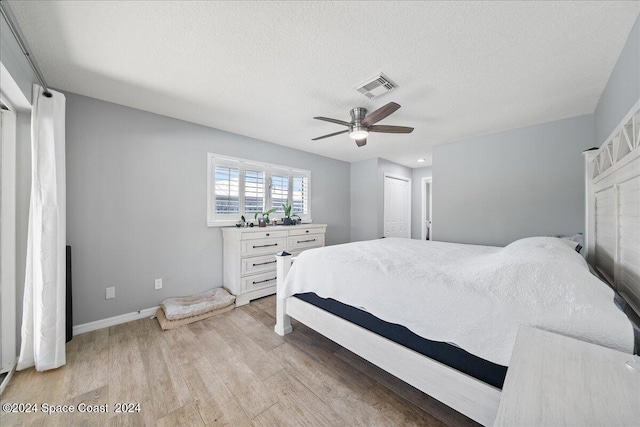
(264, 263)
(264, 246)
(307, 231)
(262, 281)
(306, 241)
(267, 234)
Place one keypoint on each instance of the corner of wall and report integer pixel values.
(622, 90)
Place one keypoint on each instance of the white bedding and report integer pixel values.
(472, 296)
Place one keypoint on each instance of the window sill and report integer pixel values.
(221, 223)
(233, 223)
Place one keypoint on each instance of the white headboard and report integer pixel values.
(613, 208)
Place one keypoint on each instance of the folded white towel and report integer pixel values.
(179, 308)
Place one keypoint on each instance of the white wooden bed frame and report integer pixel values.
(613, 168)
(612, 175)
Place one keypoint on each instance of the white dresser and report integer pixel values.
(249, 269)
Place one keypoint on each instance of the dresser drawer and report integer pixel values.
(258, 264)
(263, 246)
(306, 241)
(258, 281)
(264, 234)
(301, 231)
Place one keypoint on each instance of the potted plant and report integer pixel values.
(287, 213)
(264, 217)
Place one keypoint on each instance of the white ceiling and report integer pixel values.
(264, 69)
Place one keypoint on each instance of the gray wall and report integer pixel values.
(416, 199)
(136, 203)
(364, 199)
(14, 60)
(367, 196)
(622, 90)
(494, 189)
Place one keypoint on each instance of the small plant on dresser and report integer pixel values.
(287, 206)
(263, 218)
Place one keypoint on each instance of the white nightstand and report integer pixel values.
(558, 381)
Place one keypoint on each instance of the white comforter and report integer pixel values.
(472, 296)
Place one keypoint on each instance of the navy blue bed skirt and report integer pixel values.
(448, 354)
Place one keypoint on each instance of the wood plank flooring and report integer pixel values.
(230, 369)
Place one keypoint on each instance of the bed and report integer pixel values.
(476, 297)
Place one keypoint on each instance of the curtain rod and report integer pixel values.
(14, 30)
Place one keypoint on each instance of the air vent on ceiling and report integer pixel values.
(376, 86)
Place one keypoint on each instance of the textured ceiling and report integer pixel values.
(264, 69)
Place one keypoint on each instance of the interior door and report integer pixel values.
(397, 207)
(426, 209)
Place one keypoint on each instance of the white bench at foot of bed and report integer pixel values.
(467, 395)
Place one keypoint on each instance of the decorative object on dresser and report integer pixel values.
(263, 218)
(287, 206)
(249, 269)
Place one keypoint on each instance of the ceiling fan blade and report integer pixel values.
(336, 121)
(380, 114)
(361, 142)
(390, 129)
(331, 134)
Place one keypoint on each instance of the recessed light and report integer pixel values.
(420, 160)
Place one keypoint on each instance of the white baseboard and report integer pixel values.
(115, 320)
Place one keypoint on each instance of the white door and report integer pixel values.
(426, 209)
(397, 207)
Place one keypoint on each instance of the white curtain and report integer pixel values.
(43, 315)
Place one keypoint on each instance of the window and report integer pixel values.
(227, 191)
(279, 189)
(254, 189)
(300, 194)
(242, 187)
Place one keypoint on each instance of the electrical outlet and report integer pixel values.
(110, 293)
(158, 284)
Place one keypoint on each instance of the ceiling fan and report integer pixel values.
(361, 123)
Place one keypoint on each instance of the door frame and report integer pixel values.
(8, 351)
(426, 181)
(408, 181)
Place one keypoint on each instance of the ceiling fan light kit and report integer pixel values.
(358, 132)
(362, 124)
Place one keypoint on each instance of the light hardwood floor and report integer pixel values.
(230, 369)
